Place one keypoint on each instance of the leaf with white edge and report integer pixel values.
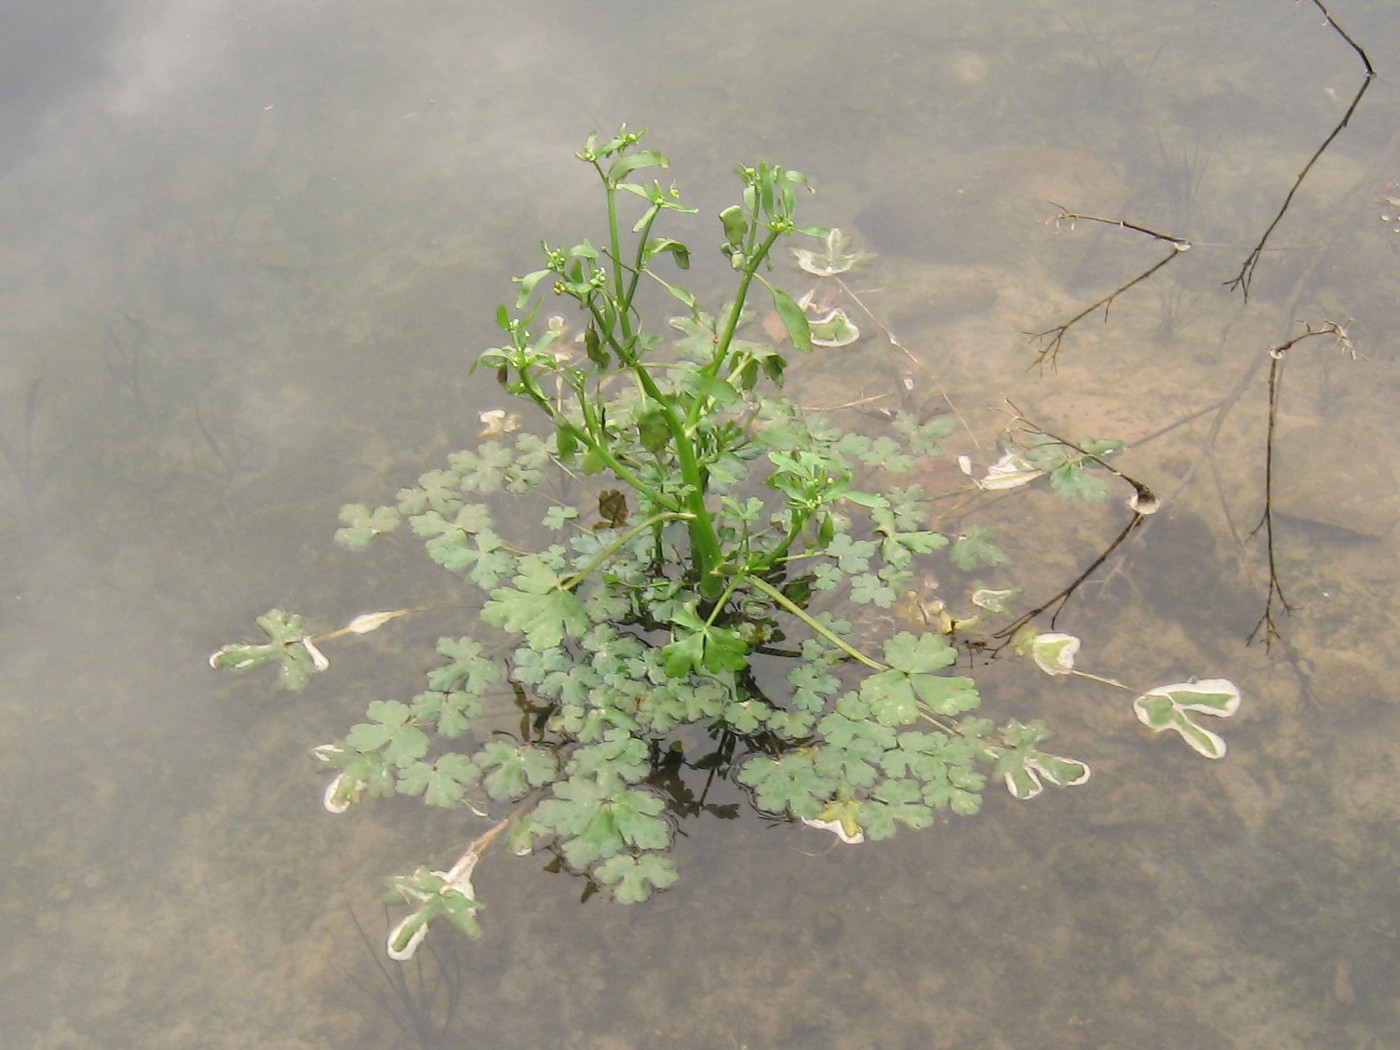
(435, 893)
(1054, 653)
(359, 774)
(1166, 707)
(366, 622)
(290, 647)
(842, 817)
(839, 829)
(835, 258)
(1024, 766)
(834, 329)
(1011, 471)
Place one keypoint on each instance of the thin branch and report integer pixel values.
(1243, 279)
(1059, 600)
(1267, 628)
(1057, 334)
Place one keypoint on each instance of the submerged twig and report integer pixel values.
(1056, 334)
(126, 364)
(1061, 598)
(21, 457)
(1243, 279)
(1266, 628)
(1143, 503)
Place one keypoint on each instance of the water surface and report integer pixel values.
(248, 252)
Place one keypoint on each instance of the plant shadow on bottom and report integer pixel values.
(421, 996)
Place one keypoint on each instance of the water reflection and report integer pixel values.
(245, 251)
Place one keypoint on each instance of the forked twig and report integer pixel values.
(1051, 350)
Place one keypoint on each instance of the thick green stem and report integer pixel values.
(704, 540)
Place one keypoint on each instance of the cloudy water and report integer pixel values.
(247, 254)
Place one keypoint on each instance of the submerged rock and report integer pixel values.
(990, 208)
(1336, 477)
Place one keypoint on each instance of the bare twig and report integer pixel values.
(1055, 336)
(1144, 503)
(1266, 628)
(1243, 279)
(21, 457)
(125, 362)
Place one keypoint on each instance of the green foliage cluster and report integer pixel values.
(711, 602)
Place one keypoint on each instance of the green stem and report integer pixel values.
(835, 639)
(704, 540)
(1096, 678)
(594, 444)
(571, 581)
(731, 323)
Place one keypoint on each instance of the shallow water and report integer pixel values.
(248, 251)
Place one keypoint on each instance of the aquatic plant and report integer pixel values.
(712, 603)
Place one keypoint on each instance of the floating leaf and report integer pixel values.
(435, 893)
(839, 828)
(1054, 653)
(841, 817)
(366, 622)
(1011, 471)
(390, 731)
(975, 547)
(537, 606)
(1024, 766)
(699, 646)
(787, 784)
(290, 647)
(362, 524)
(833, 329)
(1166, 707)
(512, 771)
(633, 879)
(993, 600)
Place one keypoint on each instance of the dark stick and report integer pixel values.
(1246, 275)
(1057, 334)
